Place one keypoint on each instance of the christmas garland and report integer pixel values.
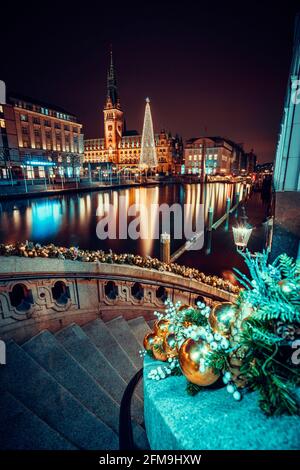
(31, 250)
(247, 346)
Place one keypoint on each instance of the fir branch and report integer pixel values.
(217, 361)
(176, 371)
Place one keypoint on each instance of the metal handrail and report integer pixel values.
(126, 440)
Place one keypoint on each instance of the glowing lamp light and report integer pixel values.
(241, 236)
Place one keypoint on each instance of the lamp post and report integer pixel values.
(242, 233)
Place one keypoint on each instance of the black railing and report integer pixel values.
(126, 440)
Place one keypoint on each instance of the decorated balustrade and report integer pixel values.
(42, 293)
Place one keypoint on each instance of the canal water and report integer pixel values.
(72, 220)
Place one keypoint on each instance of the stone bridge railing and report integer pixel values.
(39, 293)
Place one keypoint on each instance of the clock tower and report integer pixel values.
(113, 116)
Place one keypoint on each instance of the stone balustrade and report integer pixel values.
(40, 293)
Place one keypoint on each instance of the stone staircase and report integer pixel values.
(63, 390)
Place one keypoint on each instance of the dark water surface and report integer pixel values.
(71, 220)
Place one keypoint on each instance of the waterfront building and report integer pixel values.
(39, 140)
(212, 156)
(287, 163)
(122, 147)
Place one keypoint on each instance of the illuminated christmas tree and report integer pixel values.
(148, 158)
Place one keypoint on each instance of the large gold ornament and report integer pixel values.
(170, 345)
(148, 341)
(221, 318)
(158, 349)
(190, 354)
(161, 327)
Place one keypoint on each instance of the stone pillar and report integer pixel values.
(165, 247)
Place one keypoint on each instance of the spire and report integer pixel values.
(148, 156)
(112, 91)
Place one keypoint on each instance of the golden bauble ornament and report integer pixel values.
(161, 327)
(158, 349)
(170, 345)
(222, 316)
(148, 341)
(190, 354)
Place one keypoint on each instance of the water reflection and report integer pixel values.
(72, 219)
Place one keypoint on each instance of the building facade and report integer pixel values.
(208, 156)
(286, 177)
(122, 147)
(43, 141)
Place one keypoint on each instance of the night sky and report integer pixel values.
(208, 67)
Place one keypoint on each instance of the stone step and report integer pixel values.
(120, 329)
(139, 328)
(101, 336)
(151, 324)
(140, 437)
(31, 384)
(21, 429)
(53, 357)
(84, 351)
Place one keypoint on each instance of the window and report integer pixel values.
(1, 108)
(2, 123)
(41, 172)
(24, 117)
(30, 172)
(190, 157)
(36, 120)
(48, 134)
(37, 132)
(47, 123)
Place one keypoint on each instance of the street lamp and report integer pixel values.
(242, 233)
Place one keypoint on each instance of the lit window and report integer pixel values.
(41, 172)
(1, 108)
(2, 123)
(30, 172)
(190, 157)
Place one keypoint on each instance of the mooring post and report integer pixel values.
(237, 201)
(228, 202)
(210, 218)
(165, 242)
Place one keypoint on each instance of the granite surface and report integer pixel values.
(211, 420)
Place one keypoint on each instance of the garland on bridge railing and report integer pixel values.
(31, 250)
(251, 344)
